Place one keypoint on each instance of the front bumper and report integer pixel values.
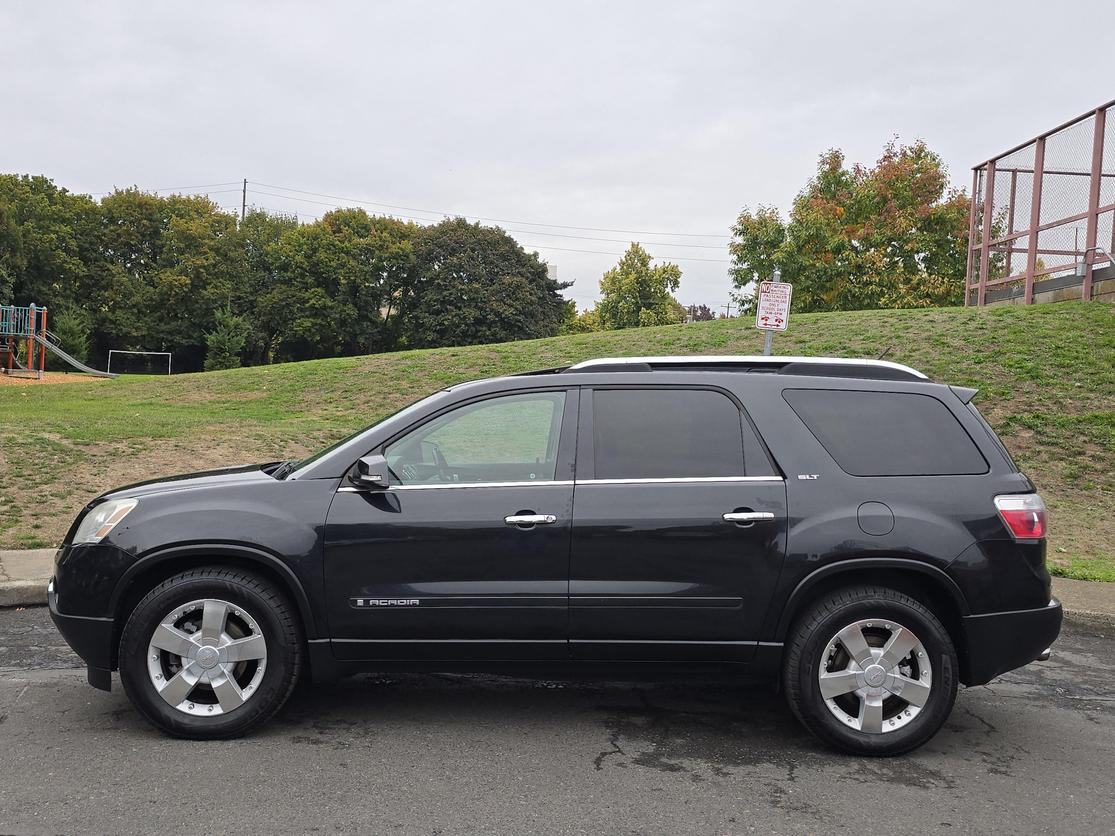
(1002, 641)
(90, 638)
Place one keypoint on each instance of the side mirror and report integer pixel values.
(371, 472)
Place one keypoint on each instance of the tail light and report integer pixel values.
(1024, 515)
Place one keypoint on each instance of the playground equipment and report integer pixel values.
(29, 323)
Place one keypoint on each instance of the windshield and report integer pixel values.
(322, 453)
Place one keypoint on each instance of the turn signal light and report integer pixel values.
(1024, 515)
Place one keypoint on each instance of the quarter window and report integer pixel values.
(887, 433)
(666, 434)
(508, 439)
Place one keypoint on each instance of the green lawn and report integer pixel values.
(1046, 376)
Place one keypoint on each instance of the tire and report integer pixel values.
(223, 640)
(859, 705)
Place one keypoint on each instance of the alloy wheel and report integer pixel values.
(875, 676)
(207, 657)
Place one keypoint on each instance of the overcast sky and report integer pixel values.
(647, 117)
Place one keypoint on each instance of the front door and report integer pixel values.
(466, 554)
(679, 527)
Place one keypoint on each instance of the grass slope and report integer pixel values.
(1046, 376)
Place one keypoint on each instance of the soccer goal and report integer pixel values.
(138, 362)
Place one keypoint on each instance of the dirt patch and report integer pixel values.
(48, 378)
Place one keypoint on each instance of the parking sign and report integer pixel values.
(773, 310)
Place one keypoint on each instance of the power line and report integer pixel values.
(509, 229)
(241, 189)
(602, 252)
(495, 220)
(219, 191)
(528, 232)
(177, 188)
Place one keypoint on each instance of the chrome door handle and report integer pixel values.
(748, 516)
(530, 519)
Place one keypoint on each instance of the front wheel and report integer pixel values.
(871, 671)
(210, 653)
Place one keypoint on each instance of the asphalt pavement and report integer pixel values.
(1032, 752)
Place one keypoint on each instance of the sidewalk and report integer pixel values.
(24, 576)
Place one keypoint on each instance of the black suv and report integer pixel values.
(845, 525)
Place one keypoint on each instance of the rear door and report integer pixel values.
(679, 526)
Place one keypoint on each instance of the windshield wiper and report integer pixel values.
(285, 469)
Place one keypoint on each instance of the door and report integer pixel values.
(679, 527)
(466, 554)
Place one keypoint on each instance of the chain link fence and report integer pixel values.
(1042, 224)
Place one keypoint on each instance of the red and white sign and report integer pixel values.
(773, 311)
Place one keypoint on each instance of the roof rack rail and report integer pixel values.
(818, 366)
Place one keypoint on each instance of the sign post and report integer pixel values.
(772, 312)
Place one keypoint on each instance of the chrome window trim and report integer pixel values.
(676, 479)
(447, 485)
(567, 483)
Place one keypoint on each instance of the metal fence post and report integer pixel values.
(1093, 203)
(1035, 219)
(985, 248)
(971, 237)
(1010, 222)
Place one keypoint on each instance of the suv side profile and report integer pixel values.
(847, 528)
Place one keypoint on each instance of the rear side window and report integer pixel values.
(887, 433)
(993, 436)
(670, 434)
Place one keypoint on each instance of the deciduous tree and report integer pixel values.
(634, 293)
(890, 236)
(48, 239)
(701, 313)
(476, 284)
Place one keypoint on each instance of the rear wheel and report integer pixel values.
(871, 670)
(210, 653)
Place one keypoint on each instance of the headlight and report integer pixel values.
(102, 519)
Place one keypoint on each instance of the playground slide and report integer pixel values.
(81, 367)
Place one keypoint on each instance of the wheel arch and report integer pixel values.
(154, 568)
(922, 581)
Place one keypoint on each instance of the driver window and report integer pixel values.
(508, 439)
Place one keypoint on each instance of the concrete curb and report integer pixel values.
(24, 575)
(1090, 620)
(23, 593)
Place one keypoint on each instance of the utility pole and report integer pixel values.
(244, 200)
(727, 310)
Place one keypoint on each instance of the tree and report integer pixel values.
(634, 294)
(891, 236)
(580, 323)
(144, 272)
(170, 264)
(259, 293)
(71, 325)
(476, 284)
(378, 277)
(225, 342)
(48, 239)
(701, 313)
(338, 285)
